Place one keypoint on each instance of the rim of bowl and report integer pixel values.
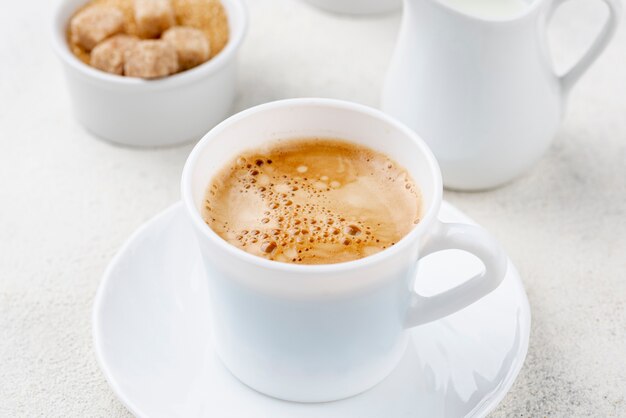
(429, 213)
(235, 11)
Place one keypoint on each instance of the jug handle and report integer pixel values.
(569, 79)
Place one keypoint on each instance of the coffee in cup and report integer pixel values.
(312, 201)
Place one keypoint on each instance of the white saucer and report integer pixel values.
(152, 340)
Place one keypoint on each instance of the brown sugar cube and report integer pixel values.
(153, 17)
(94, 24)
(191, 45)
(151, 59)
(109, 54)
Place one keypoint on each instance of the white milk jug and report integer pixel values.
(475, 79)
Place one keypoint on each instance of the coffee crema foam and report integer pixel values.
(312, 201)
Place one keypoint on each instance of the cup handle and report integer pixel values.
(569, 79)
(474, 240)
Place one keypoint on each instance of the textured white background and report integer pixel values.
(68, 201)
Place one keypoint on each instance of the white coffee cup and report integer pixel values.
(313, 333)
(167, 111)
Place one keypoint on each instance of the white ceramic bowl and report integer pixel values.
(358, 7)
(167, 111)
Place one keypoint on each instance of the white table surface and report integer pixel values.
(68, 201)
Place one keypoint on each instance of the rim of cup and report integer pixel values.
(237, 24)
(429, 213)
